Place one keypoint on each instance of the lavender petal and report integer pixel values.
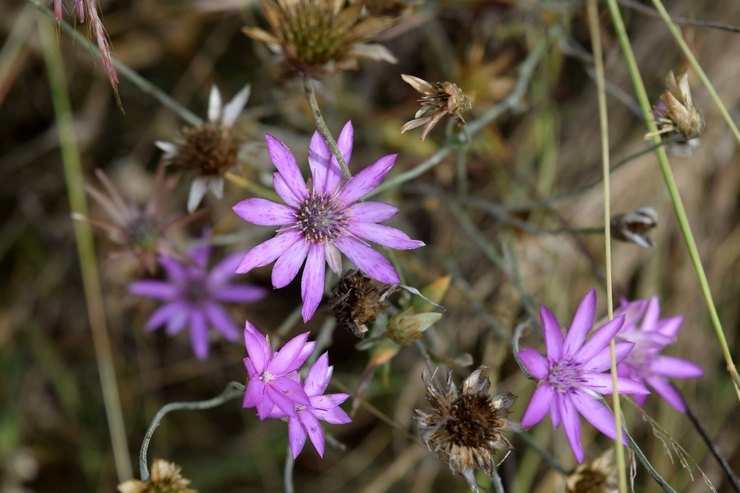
(222, 321)
(264, 212)
(670, 366)
(572, 425)
(366, 180)
(371, 212)
(267, 252)
(199, 334)
(239, 293)
(368, 260)
(553, 334)
(314, 430)
(296, 436)
(312, 283)
(534, 362)
(384, 235)
(597, 414)
(287, 166)
(600, 340)
(538, 406)
(289, 263)
(668, 392)
(158, 290)
(287, 359)
(582, 323)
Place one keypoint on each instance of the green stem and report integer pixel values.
(697, 68)
(670, 182)
(86, 250)
(593, 24)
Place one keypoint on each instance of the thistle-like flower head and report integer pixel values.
(318, 224)
(437, 101)
(356, 301)
(164, 477)
(466, 427)
(676, 111)
(574, 371)
(209, 150)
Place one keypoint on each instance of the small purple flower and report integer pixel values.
(317, 225)
(573, 372)
(644, 363)
(193, 296)
(273, 376)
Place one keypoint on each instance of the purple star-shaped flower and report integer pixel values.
(573, 372)
(273, 376)
(318, 224)
(645, 363)
(193, 296)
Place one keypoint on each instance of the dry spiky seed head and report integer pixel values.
(676, 111)
(599, 476)
(164, 477)
(437, 101)
(467, 426)
(356, 301)
(634, 226)
(208, 150)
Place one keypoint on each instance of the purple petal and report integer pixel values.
(640, 399)
(366, 180)
(288, 360)
(652, 314)
(582, 323)
(371, 212)
(306, 351)
(239, 293)
(312, 283)
(670, 366)
(368, 260)
(255, 393)
(283, 190)
(670, 327)
(265, 405)
(597, 414)
(319, 161)
(553, 334)
(257, 348)
(384, 235)
(602, 383)
(159, 290)
(313, 428)
(164, 314)
(267, 252)
(538, 405)
(318, 376)
(178, 321)
(285, 394)
(296, 436)
(286, 164)
(599, 341)
(534, 362)
(326, 408)
(333, 258)
(572, 425)
(668, 392)
(223, 271)
(200, 254)
(602, 361)
(199, 334)
(289, 263)
(555, 416)
(264, 212)
(174, 269)
(221, 320)
(344, 144)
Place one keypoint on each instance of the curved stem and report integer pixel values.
(288, 486)
(321, 124)
(232, 391)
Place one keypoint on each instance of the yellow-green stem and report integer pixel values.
(85, 249)
(670, 182)
(695, 65)
(593, 24)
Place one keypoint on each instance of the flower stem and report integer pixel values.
(321, 124)
(86, 250)
(593, 25)
(673, 190)
(232, 391)
(288, 467)
(697, 68)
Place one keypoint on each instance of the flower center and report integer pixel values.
(267, 377)
(143, 233)
(208, 150)
(321, 218)
(195, 291)
(565, 376)
(473, 421)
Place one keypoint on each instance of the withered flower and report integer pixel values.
(466, 428)
(599, 476)
(633, 227)
(165, 477)
(321, 37)
(209, 150)
(141, 231)
(356, 301)
(437, 101)
(676, 111)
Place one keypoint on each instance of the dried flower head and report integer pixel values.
(356, 301)
(437, 100)
(320, 37)
(676, 111)
(209, 150)
(141, 231)
(164, 477)
(466, 428)
(599, 476)
(633, 227)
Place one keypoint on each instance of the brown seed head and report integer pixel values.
(634, 226)
(599, 476)
(676, 111)
(208, 150)
(356, 301)
(165, 477)
(437, 101)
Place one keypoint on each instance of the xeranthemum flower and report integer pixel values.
(193, 296)
(320, 223)
(645, 363)
(574, 372)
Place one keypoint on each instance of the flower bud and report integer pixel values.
(406, 327)
(633, 226)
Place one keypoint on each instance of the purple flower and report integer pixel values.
(193, 296)
(573, 372)
(318, 224)
(273, 376)
(644, 363)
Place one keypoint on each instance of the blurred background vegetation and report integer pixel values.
(53, 431)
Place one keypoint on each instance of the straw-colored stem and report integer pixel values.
(86, 250)
(250, 186)
(593, 24)
(670, 182)
(697, 68)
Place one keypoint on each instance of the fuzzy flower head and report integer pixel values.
(574, 371)
(676, 111)
(356, 301)
(165, 477)
(209, 150)
(320, 37)
(317, 224)
(467, 426)
(193, 296)
(437, 101)
(651, 335)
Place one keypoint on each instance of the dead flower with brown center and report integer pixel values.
(466, 427)
(676, 111)
(599, 476)
(321, 37)
(356, 301)
(437, 101)
(165, 478)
